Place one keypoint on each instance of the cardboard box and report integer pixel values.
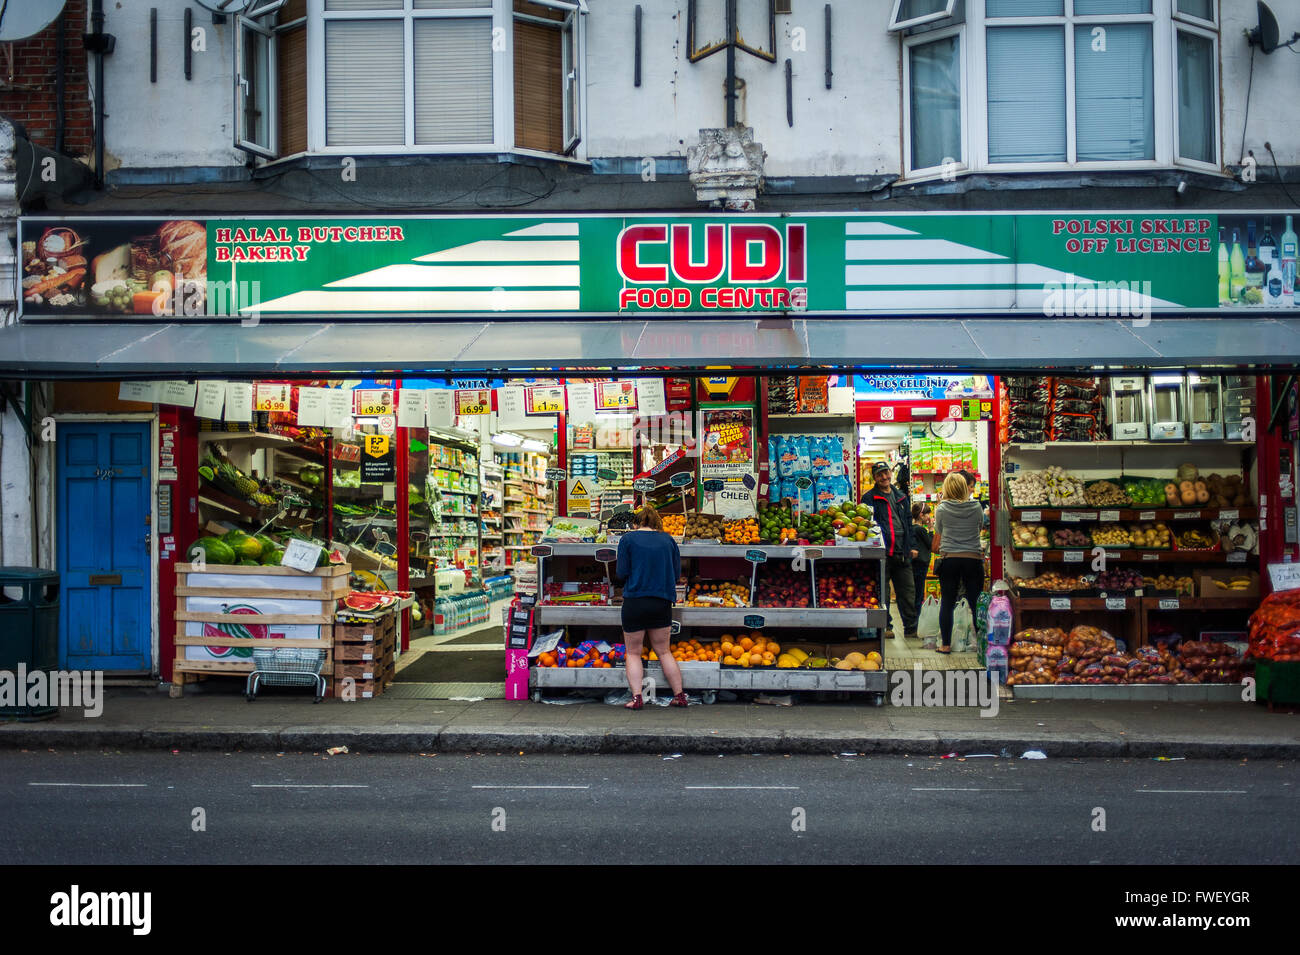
(372, 632)
(358, 671)
(1206, 586)
(357, 652)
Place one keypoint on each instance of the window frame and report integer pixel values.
(1165, 22)
(243, 90)
(895, 24)
(921, 39)
(501, 15)
(1190, 26)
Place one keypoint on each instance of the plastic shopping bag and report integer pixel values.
(927, 624)
(963, 628)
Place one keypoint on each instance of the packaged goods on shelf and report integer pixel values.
(1275, 627)
(576, 593)
(783, 394)
(572, 529)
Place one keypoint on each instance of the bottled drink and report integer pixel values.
(1000, 620)
(1254, 268)
(1236, 269)
(1273, 283)
(1224, 284)
(1267, 246)
(1287, 254)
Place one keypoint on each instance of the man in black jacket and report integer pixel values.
(889, 506)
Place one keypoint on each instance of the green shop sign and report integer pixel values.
(1053, 264)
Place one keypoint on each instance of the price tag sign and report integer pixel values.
(475, 401)
(1229, 514)
(301, 555)
(555, 475)
(713, 485)
(644, 485)
(1187, 515)
(606, 555)
(615, 395)
(622, 509)
(812, 553)
(803, 483)
(1150, 556)
(541, 550)
(606, 475)
(756, 556)
(1033, 446)
(1073, 557)
(1032, 557)
(1060, 603)
(386, 549)
(1146, 515)
(755, 621)
(1116, 603)
(1236, 557)
(1169, 603)
(371, 402)
(1110, 516)
(1031, 515)
(545, 400)
(681, 480)
(1071, 516)
(675, 627)
(271, 398)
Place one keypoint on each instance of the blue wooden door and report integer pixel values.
(103, 545)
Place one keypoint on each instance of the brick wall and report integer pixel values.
(27, 93)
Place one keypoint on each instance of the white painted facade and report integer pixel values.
(854, 128)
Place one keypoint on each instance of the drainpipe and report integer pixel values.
(58, 88)
(101, 44)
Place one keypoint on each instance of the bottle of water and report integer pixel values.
(997, 663)
(1000, 620)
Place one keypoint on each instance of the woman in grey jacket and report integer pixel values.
(957, 523)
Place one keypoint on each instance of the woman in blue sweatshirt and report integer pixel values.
(648, 566)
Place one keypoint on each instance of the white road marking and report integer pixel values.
(97, 785)
(959, 789)
(307, 786)
(742, 787)
(530, 787)
(1195, 791)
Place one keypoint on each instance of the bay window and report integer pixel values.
(1059, 84)
(385, 76)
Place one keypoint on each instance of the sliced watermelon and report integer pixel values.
(363, 602)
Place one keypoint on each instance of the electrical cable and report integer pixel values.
(1250, 80)
(1277, 170)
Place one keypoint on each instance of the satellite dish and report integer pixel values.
(22, 20)
(225, 6)
(1266, 35)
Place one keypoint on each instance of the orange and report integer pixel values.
(774, 647)
(729, 660)
(653, 655)
(727, 648)
(746, 643)
(757, 635)
(756, 659)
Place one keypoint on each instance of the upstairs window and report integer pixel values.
(385, 76)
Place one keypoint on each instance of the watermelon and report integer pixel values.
(362, 602)
(245, 562)
(243, 545)
(216, 551)
(272, 557)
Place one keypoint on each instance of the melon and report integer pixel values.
(216, 551)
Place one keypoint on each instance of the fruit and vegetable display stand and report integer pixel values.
(225, 612)
(774, 618)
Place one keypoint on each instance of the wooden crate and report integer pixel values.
(327, 585)
(358, 653)
(359, 671)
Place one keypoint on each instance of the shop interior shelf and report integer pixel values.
(1051, 445)
(1091, 514)
(310, 455)
(719, 617)
(834, 552)
(1142, 556)
(1203, 603)
(210, 495)
(254, 439)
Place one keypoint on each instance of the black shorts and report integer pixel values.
(646, 613)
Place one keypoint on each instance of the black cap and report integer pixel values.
(878, 467)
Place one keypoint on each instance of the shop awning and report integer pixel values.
(38, 350)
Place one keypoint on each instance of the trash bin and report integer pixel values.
(29, 635)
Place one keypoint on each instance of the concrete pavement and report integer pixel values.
(140, 718)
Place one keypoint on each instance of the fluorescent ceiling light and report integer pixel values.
(533, 445)
(507, 440)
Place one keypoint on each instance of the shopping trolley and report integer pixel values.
(286, 666)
